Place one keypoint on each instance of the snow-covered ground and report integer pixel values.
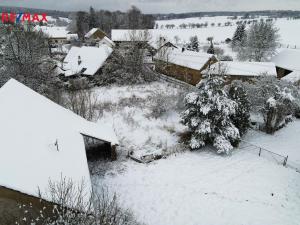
(193, 187)
(203, 188)
(285, 141)
(133, 112)
(288, 29)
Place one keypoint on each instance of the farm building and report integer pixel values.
(242, 70)
(85, 60)
(41, 141)
(183, 64)
(287, 61)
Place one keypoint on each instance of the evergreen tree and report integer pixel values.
(241, 118)
(194, 44)
(211, 49)
(92, 18)
(208, 116)
(239, 36)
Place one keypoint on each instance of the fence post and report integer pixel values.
(285, 160)
(259, 152)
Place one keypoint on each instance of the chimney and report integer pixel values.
(79, 60)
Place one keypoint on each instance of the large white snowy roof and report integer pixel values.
(92, 59)
(189, 59)
(288, 59)
(42, 141)
(53, 32)
(233, 68)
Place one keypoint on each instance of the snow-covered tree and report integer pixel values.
(278, 110)
(194, 44)
(241, 119)
(239, 36)
(261, 43)
(208, 116)
(211, 49)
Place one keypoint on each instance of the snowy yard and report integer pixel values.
(193, 187)
(203, 188)
(143, 116)
(284, 142)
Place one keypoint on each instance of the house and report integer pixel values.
(57, 35)
(183, 64)
(95, 34)
(242, 70)
(41, 141)
(287, 61)
(85, 60)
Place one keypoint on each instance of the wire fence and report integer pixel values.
(272, 156)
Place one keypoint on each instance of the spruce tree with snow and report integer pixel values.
(194, 44)
(208, 115)
(239, 36)
(241, 118)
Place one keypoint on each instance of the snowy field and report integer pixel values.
(288, 29)
(203, 188)
(193, 187)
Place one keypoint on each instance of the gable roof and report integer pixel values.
(92, 59)
(250, 69)
(31, 126)
(91, 32)
(107, 41)
(190, 59)
(292, 77)
(288, 59)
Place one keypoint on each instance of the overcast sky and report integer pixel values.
(159, 6)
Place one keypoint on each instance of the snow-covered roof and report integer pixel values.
(107, 41)
(53, 32)
(288, 59)
(186, 58)
(292, 77)
(91, 32)
(92, 59)
(42, 141)
(251, 69)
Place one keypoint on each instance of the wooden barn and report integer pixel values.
(41, 141)
(182, 64)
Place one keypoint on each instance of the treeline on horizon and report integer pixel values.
(149, 18)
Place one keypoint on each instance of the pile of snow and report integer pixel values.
(202, 188)
(250, 69)
(85, 60)
(186, 58)
(42, 141)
